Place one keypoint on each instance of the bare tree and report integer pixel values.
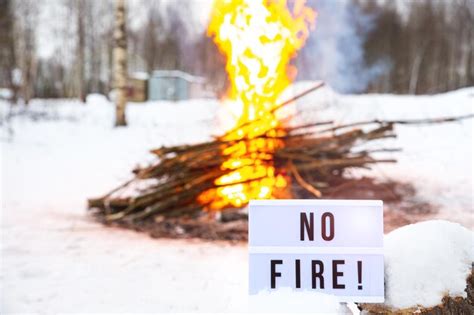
(120, 63)
(152, 28)
(7, 47)
(430, 50)
(81, 16)
(100, 32)
(26, 21)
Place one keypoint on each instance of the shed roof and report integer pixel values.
(139, 75)
(178, 74)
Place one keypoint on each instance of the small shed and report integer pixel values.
(137, 87)
(174, 85)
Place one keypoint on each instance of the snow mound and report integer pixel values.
(426, 261)
(95, 99)
(285, 300)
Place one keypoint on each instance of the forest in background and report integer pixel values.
(414, 47)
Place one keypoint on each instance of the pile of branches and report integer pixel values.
(312, 156)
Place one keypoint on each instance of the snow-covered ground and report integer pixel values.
(59, 153)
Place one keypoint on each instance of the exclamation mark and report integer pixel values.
(359, 274)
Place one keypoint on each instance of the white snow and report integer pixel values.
(426, 261)
(285, 300)
(58, 153)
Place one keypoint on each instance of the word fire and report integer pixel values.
(319, 269)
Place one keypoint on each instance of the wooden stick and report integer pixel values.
(274, 109)
(322, 123)
(402, 122)
(302, 182)
(298, 96)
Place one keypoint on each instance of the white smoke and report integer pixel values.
(334, 51)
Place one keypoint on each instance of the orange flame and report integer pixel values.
(258, 37)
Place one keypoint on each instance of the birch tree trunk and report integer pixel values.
(120, 63)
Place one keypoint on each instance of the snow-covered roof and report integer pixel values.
(140, 75)
(178, 74)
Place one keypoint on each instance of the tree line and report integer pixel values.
(427, 48)
(83, 61)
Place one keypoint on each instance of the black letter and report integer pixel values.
(298, 273)
(336, 274)
(308, 225)
(273, 273)
(318, 274)
(331, 226)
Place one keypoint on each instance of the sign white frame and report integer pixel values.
(286, 237)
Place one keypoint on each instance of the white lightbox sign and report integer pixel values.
(328, 246)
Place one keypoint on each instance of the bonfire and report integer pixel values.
(260, 155)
